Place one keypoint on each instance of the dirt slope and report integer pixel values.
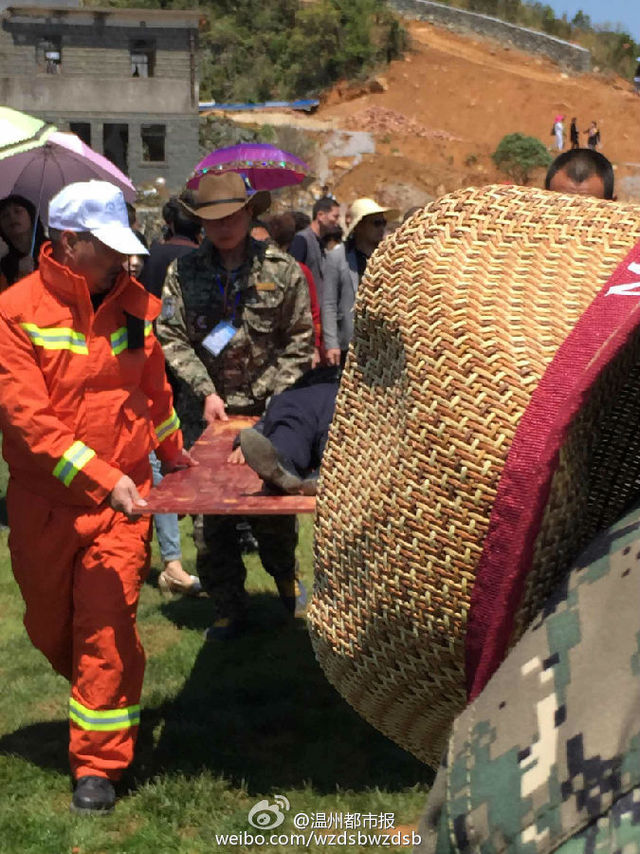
(457, 97)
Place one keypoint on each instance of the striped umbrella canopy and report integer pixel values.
(39, 171)
(263, 165)
(20, 131)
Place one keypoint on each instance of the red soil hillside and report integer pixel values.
(448, 103)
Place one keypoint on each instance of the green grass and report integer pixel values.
(223, 726)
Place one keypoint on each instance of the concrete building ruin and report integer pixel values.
(124, 80)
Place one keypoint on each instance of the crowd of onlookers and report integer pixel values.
(332, 249)
(332, 260)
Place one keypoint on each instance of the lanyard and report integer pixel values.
(225, 297)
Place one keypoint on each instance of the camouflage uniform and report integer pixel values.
(548, 756)
(267, 299)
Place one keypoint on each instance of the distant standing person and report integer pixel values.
(183, 236)
(574, 134)
(21, 236)
(283, 230)
(558, 129)
(636, 79)
(345, 268)
(593, 136)
(306, 247)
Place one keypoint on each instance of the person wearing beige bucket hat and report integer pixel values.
(345, 268)
(236, 328)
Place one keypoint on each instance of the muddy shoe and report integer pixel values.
(93, 795)
(264, 459)
(309, 485)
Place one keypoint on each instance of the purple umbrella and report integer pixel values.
(61, 159)
(264, 166)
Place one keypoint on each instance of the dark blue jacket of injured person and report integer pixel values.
(297, 420)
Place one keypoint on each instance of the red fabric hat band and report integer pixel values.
(600, 334)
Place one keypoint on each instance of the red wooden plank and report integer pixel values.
(217, 487)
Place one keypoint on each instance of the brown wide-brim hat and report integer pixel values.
(220, 195)
(485, 431)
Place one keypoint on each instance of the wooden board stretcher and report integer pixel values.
(217, 487)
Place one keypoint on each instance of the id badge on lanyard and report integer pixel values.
(224, 331)
(221, 334)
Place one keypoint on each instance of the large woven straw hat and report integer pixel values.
(486, 429)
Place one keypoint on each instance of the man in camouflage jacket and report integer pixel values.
(235, 328)
(547, 758)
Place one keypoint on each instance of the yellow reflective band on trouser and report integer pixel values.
(120, 339)
(57, 338)
(104, 720)
(74, 458)
(167, 427)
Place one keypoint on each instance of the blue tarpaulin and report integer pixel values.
(308, 105)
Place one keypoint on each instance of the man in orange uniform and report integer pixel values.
(83, 400)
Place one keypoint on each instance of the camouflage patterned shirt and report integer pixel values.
(266, 300)
(547, 758)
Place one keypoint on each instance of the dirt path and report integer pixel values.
(293, 118)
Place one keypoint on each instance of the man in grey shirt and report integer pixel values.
(344, 270)
(306, 247)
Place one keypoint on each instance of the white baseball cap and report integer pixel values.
(99, 208)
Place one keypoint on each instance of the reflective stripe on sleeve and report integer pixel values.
(72, 461)
(168, 427)
(103, 720)
(57, 338)
(120, 339)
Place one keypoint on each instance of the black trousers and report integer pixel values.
(220, 566)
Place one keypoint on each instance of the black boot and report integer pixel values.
(93, 795)
(293, 594)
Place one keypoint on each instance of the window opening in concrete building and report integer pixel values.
(143, 58)
(115, 145)
(81, 129)
(49, 54)
(153, 143)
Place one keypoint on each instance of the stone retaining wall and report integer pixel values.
(568, 55)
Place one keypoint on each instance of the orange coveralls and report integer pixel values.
(79, 407)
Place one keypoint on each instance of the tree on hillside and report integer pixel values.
(581, 21)
(255, 51)
(518, 155)
(252, 50)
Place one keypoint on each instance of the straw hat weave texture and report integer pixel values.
(459, 314)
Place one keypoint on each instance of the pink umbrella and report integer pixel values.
(264, 166)
(61, 159)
